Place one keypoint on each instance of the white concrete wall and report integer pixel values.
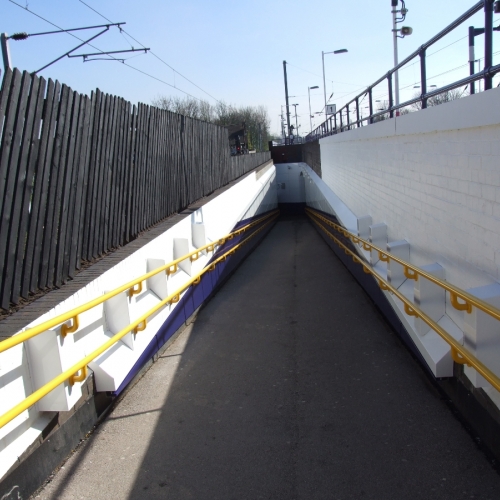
(433, 177)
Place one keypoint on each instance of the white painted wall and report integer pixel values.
(433, 177)
(290, 183)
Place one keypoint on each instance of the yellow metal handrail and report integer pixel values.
(73, 314)
(458, 352)
(71, 374)
(413, 272)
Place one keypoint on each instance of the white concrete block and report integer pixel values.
(181, 248)
(482, 334)
(429, 297)
(49, 355)
(199, 236)
(117, 316)
(395, 272)
(378, 236)
(158, 282)
(363, 226)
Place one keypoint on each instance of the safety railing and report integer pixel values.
(335, 124)
(78, 371)
(134, 287)
(459, 353)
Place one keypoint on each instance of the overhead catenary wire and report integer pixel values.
(111, 57)
(152, 53)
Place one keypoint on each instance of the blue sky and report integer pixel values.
(235, 50)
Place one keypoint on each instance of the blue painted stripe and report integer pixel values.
(196, 295)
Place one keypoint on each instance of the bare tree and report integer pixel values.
(255, 118)
(450, 95)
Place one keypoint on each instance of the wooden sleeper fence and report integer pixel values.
(80, 176)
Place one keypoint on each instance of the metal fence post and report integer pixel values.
(357, 111)
(370, 103)
(423, 77)
(391, 99)
(488, 43)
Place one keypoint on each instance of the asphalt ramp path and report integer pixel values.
(289, 385)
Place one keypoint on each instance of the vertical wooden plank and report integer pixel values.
(8, 107)
(125, 142)
(109, 175)
(83, 156)
(56, 186)
(36, 231)
(115, 211)
(68, 189)
(74, 156)
(162, 190)
(23, 258)
(153, 168)
(99, 177)
(130, 165)
(141, 162)
(9, 173)
(93, 146)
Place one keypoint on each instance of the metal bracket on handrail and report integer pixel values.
(197, 280)
(354, 239)
(78, 378)
(65, 328)
(171, 270)
(141, 326)
(367, 270)
(410, 274)
(409, 310)
(175, 299)
(194, 257)
(210, 248)
(460, 306)
(366, 246)
(383, 256)
(458, 358)
(135, 291)
(382, 285)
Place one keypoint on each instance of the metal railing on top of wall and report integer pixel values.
(335, 123)
(459, 353)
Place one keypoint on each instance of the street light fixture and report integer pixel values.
(340, 51)
(309, 93)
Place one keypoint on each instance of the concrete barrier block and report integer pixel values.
(395, 273)
(158, 282)
(482, 334)
(429, 297)
(117, 316)
(378, 236)
(181, 248)
(364, 224)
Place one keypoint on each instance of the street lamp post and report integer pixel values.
(309, 92)
(405, 30)
(340, 51)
